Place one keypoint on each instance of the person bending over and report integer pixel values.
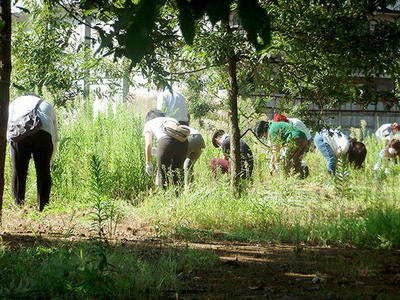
(386, 131)
(281, 135)
(387, 156)
(170, 153)
(222, 140)
(333, 143)
(41, 146)
(301, 126)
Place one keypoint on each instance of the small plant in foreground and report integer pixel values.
(105, 213)
(341, 180)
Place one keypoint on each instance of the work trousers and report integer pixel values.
(195, 148)
(327, 152)
(222, 165)
(40, 147)
(295, 152)
(170, 155)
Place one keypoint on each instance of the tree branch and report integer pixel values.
(72, 14)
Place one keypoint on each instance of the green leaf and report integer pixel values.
(256, 22)
(138, 41)
(218, 10)
(186, 20)
(2, 23)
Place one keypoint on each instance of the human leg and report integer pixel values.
(42, 149)
(220, 165)
(164, 158)
(195, 148)
(20, 156)
(179, 155)
(327, 152)
(294, 155)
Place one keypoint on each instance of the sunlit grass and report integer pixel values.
(271, 208)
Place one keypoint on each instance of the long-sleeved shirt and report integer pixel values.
(384, 161)
(173, 104)
(24, 104)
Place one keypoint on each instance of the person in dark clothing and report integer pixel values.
(223, 141)
(171, 153)
(42, 146)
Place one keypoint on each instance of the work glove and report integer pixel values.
(149, 169)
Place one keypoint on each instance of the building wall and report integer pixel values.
(350, 115)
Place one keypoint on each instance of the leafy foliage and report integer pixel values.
(341, 179)
(40, 56)
(135, 25)
(50, 58)
(328, 53)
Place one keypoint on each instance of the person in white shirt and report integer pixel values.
(41, 146)
(386, 131)
(170, 153)
(196, 145)
(173, 105)
(386, 156)
(333, 143)
(301, 126)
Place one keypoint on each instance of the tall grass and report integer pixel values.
(364, 212)
(116, 139)
(361, 211)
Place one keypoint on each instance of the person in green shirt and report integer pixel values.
(280, 135)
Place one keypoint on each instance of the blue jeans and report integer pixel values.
(327, 152)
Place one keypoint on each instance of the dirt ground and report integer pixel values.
(249, 270)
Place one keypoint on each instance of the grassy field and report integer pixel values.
(99, 183)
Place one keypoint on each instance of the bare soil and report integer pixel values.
(245, 270)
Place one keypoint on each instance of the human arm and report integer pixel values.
(54, 133)
(379, 163)
(148, 150)
(148, 136)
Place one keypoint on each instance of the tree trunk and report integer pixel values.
(5, 71)
(233, 120)
(233, 110)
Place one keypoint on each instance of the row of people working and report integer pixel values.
(178, 156)
(288, 140)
